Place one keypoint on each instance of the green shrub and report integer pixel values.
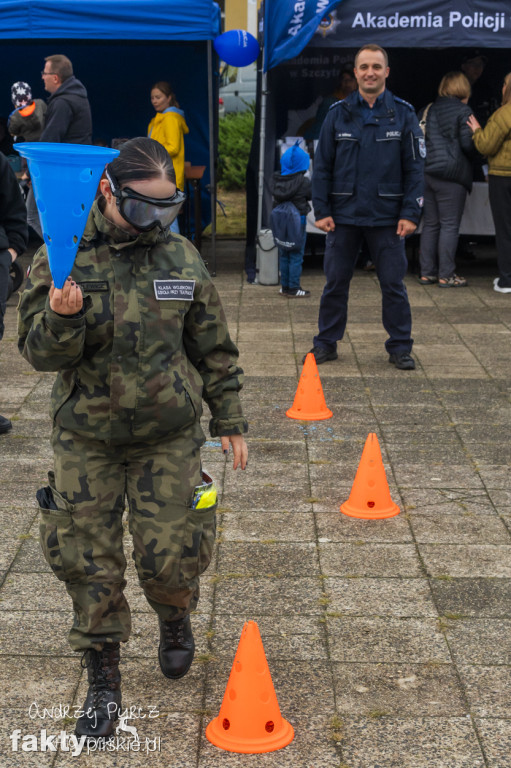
(234, 139)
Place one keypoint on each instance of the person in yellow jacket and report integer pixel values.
(169, 127)
(494, 141)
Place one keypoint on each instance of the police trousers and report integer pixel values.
(388, 254)
(81, 529)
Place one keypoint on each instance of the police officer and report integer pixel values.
(368, 183)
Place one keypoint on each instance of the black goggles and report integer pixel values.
(144, 212)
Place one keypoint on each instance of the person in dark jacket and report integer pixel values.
(68, 118)
(368, 183)
(13, 240)
(448, 179)
(26, 121)
(292, 185)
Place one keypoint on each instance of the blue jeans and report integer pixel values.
(388, 254)
(291, 263)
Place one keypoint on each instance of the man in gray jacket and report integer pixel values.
(68, 118)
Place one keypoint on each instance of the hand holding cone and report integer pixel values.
(65, 178)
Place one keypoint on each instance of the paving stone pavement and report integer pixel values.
(389, 642)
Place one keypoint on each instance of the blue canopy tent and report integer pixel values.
(119, 48)
(306, 43)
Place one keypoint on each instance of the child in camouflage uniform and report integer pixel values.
(138, 337)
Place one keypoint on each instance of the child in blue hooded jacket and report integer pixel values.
(292, 185)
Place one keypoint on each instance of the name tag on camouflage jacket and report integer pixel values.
(168, 290)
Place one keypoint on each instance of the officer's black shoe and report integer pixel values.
(402, 360)
(176, 648)
(5, 425)
(322, 355)
(103, 702)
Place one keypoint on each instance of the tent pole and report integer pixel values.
(212, 168)
(262, 138)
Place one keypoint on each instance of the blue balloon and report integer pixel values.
(237, 47)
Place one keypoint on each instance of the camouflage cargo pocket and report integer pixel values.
(172, 560)
(198, 543)
(57, 535)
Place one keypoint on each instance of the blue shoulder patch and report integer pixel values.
(406, 103)
(335, 104)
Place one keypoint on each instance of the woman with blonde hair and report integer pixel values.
(169, 128)
(448, 177)
(494, 141)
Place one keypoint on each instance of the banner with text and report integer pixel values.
(419, 23)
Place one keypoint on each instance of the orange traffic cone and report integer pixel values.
(249, 720)
(370, 494)
(309, 403)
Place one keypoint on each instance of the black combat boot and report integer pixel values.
(103, 702)
(176, 648)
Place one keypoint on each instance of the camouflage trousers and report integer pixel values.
(81, 529)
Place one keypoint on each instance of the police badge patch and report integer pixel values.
(422, 147)
(420, 201)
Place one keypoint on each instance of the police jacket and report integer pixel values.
(149, 343)
(449, 145)
(369, 171)
(68, 117)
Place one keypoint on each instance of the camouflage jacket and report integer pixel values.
(131, 365)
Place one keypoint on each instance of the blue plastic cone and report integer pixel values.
(65, 178)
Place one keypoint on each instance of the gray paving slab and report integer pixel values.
(386, 742)
(238, 593)
(476, 560)
(379, 597)
(447, 501)
(277, 526)
(496, 741)
(479, 641)
(24, 683)
(438, 528)
(334, 526)
(487, 689)
(361, 558)
(387, 641)
(398, 690)
(280, 559)
(473, 597)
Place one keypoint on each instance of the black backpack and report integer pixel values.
(286, 225)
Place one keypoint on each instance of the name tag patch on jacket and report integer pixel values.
(172, 290)
(93, 286)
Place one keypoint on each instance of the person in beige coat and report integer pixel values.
(494, 141)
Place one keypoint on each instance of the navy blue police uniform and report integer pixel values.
(368, 174)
